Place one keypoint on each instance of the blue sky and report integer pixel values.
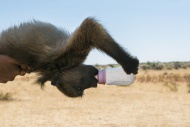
(152, 30)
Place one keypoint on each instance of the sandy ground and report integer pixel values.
(140, 105)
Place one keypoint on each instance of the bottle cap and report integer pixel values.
(101, 77)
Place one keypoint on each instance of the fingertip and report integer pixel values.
(22, 73)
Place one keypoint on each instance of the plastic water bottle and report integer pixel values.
(115, 76)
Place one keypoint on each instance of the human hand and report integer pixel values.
(9, 69)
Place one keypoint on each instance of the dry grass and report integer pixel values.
(180, 75)
(5, 96)
(144, 104)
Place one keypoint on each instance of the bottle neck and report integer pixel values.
(101, 77)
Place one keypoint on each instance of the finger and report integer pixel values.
(3, 81)
(26, 68)
(90, 82)
(16, 70)
(23, 72)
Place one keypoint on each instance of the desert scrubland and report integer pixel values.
(158, 98)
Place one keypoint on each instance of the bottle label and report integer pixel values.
(117, 76)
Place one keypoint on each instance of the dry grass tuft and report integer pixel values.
(5, 96)
(172, 86)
